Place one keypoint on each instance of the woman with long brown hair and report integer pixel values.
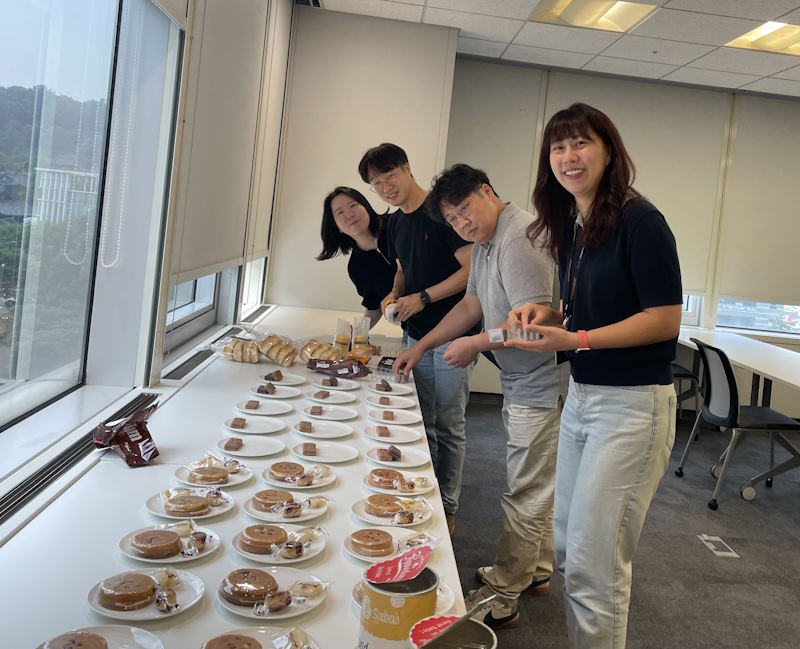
(618, 325)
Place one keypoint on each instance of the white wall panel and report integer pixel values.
(677, 138)
(354, 81)
(219, 140)
(493, 119)
(760, 225)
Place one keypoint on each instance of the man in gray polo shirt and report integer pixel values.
(507, 270)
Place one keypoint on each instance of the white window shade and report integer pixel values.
(676, 137)
(175, 9)
(760, 224)
(216, 165)
(276, 59)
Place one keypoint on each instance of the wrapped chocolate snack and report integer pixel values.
(129, 437)
(348, 368)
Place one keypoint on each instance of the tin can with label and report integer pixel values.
(389, 610)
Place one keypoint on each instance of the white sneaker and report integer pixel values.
(499, 613)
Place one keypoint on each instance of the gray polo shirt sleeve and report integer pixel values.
(472, 282)
(526, 271)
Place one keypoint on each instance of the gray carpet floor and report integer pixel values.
(683, 596)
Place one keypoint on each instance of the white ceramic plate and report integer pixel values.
(155, 506)
(395, 492)
(397, 533)
(445, 598)
(265, 635)
(328, 453)
(285, 578)
(271, 517)
(281, 392)
(326, 430)
(240, 477)
(398, 389)
(324, 482)
(124, 637)
(317, 546)
(254, 447)
(361, 513)
(288, 379)
(411, 457)
(402, 417)
(344, 384)
(394, 402)
(398, 434)
(265, 408)
(189, 592)
(256, 426)
(212, 545)
(335, 398)
(332, 413)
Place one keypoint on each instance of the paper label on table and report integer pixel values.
(427, 629)
(407, 566)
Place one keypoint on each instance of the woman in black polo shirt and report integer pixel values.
(618, 325)
(350, 224)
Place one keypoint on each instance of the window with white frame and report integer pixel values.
(252, 285)
(758, 316)
(692, 308)
(55, 87)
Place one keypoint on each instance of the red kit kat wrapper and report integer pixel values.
(129, 437)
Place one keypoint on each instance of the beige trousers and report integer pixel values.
(525, 551)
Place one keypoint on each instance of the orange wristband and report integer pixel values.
(583, 339)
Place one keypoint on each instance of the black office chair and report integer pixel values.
(721, 408)
(679, 375)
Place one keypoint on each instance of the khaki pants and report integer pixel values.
(525, 551)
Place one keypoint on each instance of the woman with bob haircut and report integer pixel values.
(349, 223)
(618, 324)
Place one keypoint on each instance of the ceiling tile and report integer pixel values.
(549, 58)
(377, 8)
(776, 86)
(628, 68)
(710, 77)
(791, 73)
(656, 50)
(730, 59)
(519, 9)
(571, 39)
(761, 10)
(694, 27)
(474, 25)
(478, 47)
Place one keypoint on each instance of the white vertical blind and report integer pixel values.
(493, 119)
(355, 81)
(219, 139)
(676, 137)
(760, 222)
(175, 9)
(275, 69)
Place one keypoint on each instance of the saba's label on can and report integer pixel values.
(389, 610)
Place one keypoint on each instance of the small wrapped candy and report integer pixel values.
(197, 542)
(167, 578)
(403, 518)
(215, 497)
(166, 600)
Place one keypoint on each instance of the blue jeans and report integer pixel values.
(613, 449)
(443, 392)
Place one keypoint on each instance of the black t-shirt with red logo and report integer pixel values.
(426, 251)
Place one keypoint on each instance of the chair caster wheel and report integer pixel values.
(714, 470)
(768, 482)
(679, 472)
(712, 504)
(748, 493)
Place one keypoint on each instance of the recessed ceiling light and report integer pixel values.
(608, 15)
(771, 37)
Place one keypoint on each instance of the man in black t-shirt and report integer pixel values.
(432, 269)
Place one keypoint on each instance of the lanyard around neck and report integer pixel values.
(573, 270)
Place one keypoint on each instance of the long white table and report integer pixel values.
(770, 362)
(51, 564)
